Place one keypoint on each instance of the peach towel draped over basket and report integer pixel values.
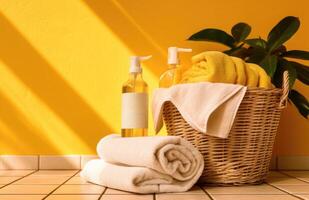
(209, 108)
(244, 156)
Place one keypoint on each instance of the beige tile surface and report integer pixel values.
(59, 162)
(55, 173)
(73, 197)
(127, 197)
(18, 162)
(42, 180)
(77, 180)
(253, 197)
(306, 197)
(80, 189)
(113, 191)
(27, 189)
(193, 190)
(21, 197)
(304, 179)
(284, 181)
(182, 197)
(295, 189)
(258, 189)
(8, 179)
(15, 172)
(78, 174)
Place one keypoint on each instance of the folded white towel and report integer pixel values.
(208, 107)
(145, 164)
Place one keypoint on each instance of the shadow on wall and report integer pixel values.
(36, 73)
(134, 36)
(13, 121)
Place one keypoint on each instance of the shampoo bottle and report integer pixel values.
(173, 74)
(134, 118)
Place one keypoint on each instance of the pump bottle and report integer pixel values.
(134, 120)
(172, 75)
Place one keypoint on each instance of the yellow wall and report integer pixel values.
(62, 63)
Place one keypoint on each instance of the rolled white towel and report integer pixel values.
(145, 164)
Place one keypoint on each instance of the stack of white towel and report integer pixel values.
(145, 164)
(167, 163)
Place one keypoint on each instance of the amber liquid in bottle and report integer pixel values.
(170, 77)
(135, 101)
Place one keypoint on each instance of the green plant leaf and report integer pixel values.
(282, 32)
(286, 65)
(256, 42)
(269, 64)
(214, 35)
(279, 51)
(302, 71)
(278, 76)
(239, 52)
(300, 102)
(241, 31)
(297, 54)
(256, 55)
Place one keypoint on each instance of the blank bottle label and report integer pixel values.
(134, 110)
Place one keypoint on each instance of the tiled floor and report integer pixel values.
(67, 184)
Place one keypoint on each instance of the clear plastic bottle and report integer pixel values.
(134, 121)
(172, 75)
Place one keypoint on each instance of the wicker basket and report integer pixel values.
(244, 157)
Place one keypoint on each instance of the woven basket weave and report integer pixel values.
(244, 157)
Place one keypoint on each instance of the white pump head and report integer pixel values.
(173, 54)
(135, 63)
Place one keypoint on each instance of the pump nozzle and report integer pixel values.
(173, 54)
(135, 63)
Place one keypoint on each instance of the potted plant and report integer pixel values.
(271, 54)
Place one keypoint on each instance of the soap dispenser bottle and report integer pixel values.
(173, 74)
(134, 118)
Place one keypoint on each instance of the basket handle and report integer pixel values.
(285, 90)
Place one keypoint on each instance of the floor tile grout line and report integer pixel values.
(102, 193)
(293, 177)
(282, 190)
(21, 195)
(18, 179)
(132, 194)
(61, 185)
(251, 194)
(300, 197)
(207, 194)
(51, 183)
(154, 197)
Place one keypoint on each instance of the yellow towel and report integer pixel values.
(215, 66)
(263, 78)
(211, 66)
(240, 70)
(252, 76)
